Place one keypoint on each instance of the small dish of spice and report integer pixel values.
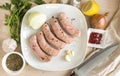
(13, 63)
(96, 38)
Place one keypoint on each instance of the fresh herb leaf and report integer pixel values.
(6, 6)
(16, 2)
(13, 21)
(39, 2)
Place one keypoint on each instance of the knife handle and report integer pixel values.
(73, 73)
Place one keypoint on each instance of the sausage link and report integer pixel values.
(67, 26)
(59, 32)
(51, 38)
(36, 49)
(45, 46)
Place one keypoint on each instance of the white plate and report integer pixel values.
(79, 45)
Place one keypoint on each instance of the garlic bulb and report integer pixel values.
(9, 45)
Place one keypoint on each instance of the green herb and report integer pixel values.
(17, 9)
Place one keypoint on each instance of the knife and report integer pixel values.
(84, 68)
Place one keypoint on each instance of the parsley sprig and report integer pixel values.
(17, 9)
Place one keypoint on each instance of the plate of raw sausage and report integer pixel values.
(54, 61)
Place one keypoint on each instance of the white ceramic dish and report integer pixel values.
(8, 70)
(102, 41)
(79, 45)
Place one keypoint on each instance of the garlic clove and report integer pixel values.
(72, 53)
(67, 58)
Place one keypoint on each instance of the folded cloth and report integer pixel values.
(112, 63)
(108, 66)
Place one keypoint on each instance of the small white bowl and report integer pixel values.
(102, 41)
(7, 70)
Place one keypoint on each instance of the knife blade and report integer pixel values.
(92, 62)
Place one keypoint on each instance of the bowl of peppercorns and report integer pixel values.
(13, 62)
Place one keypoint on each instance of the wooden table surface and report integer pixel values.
(106, 6)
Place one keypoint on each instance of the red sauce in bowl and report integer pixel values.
(95, 38)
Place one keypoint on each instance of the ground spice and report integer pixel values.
(14, 62)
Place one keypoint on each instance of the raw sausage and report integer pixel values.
(51, 38)
(36, 49)
(59, 32)
(45, 46)
(67, 26)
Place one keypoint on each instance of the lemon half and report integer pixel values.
(90, 8)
